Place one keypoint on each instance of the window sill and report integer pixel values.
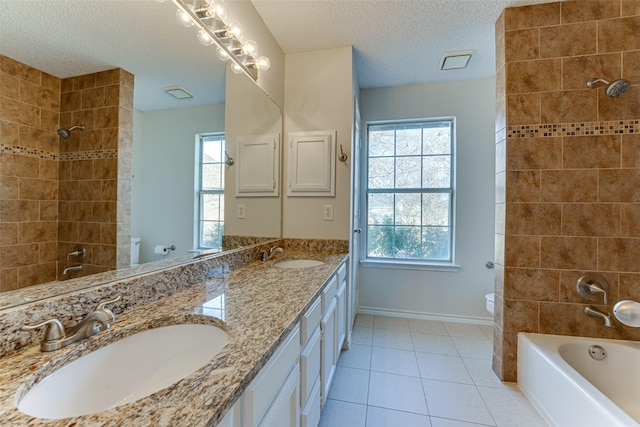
(411, 265)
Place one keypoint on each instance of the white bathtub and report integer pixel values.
(570, 388)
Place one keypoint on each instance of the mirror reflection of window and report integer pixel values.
(211, 161)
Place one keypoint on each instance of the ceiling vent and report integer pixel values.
(178, 92)
(455, 60)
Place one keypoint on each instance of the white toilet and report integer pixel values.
(490, 299)
(135, 250)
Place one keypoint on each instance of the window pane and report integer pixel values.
(212, 234)
(437, 172)
(408, 209)
(212, 150)
(212, 176)
(436, 242)
(435, 209)
(381, 141)
(407, 242)
(381, 172)
(380, 241)
(408, 172)
(437, 140)
(380, 208)
(408, 141)
(212, 207)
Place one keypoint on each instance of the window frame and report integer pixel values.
(406, 262)
(201, 192)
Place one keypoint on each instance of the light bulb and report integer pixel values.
(263, 63)
(222, 55)
(218, 9)
(204, 37)
(250, 47)
(235, 29)
(183, 18)
(236, 68)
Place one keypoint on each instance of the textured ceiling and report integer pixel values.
(396, 42)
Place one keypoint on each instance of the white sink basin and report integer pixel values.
(124, 371)
(298, 263)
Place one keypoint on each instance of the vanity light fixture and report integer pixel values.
(178, 92)
(456, 60)
(209, 17)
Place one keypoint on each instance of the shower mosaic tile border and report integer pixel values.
(614, 127)
(47, 155)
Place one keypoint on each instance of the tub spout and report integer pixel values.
(594, 312)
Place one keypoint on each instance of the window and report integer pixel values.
(211, 190)
(410, 190)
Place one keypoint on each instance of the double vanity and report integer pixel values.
(251, 343)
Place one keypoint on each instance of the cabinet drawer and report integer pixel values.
(310, 416)
(329, 292)
(342, 272)
(265, 386)
(310, 321)
(309, 366)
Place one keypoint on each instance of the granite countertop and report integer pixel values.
(257, 306)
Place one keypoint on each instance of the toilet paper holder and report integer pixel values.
(163, 249)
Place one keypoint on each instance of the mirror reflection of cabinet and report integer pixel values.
(258, 160)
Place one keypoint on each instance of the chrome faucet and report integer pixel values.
(74, 268)
(267, 255)
(591, 285)
(56, 336)
(594, 312)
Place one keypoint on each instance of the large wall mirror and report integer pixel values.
(68, 39)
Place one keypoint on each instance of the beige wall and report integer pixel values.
(319, 96)
(567, 168)
(57, 195)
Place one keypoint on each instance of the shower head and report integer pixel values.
(614, 88)
(66, 133)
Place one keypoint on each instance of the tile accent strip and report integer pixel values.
(41, 154)
(615, 127)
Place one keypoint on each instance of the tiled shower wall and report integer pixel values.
(29, 117)
(57, 195)
(95, 171)
(567, 168)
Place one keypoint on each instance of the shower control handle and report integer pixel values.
(590, 285)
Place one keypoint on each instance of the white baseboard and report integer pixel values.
(474, 320)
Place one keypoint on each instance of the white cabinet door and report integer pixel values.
(341, 317)
(285, 409)
(328, 345)
(233, 417)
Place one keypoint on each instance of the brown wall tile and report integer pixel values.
(539, 15)
(576, 253)
(524, 186)
(590, 219)
(580, 152)
(534, 218)
(568, 292)
(566, 319)
(568, 106)
(619, 254)
(624, 107)
(616, 35)
(521, 316)
(630, 220)
(569, 185)
(9, 86)
(532, 284)
(535, 153)
(619, 185)
(589, 10)
(523, 109)
(568, 40)
(534, 76)
(522, 45)
(577, 70)
(630, 7)
(8, 233)
(631, 66)
(522, 251)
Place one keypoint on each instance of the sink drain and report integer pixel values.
(596, 352)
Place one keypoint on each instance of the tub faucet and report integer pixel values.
(594, 312)
(56, 336)
(74, 268)
(267, 255)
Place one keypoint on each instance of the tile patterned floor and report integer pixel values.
(406, 372)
